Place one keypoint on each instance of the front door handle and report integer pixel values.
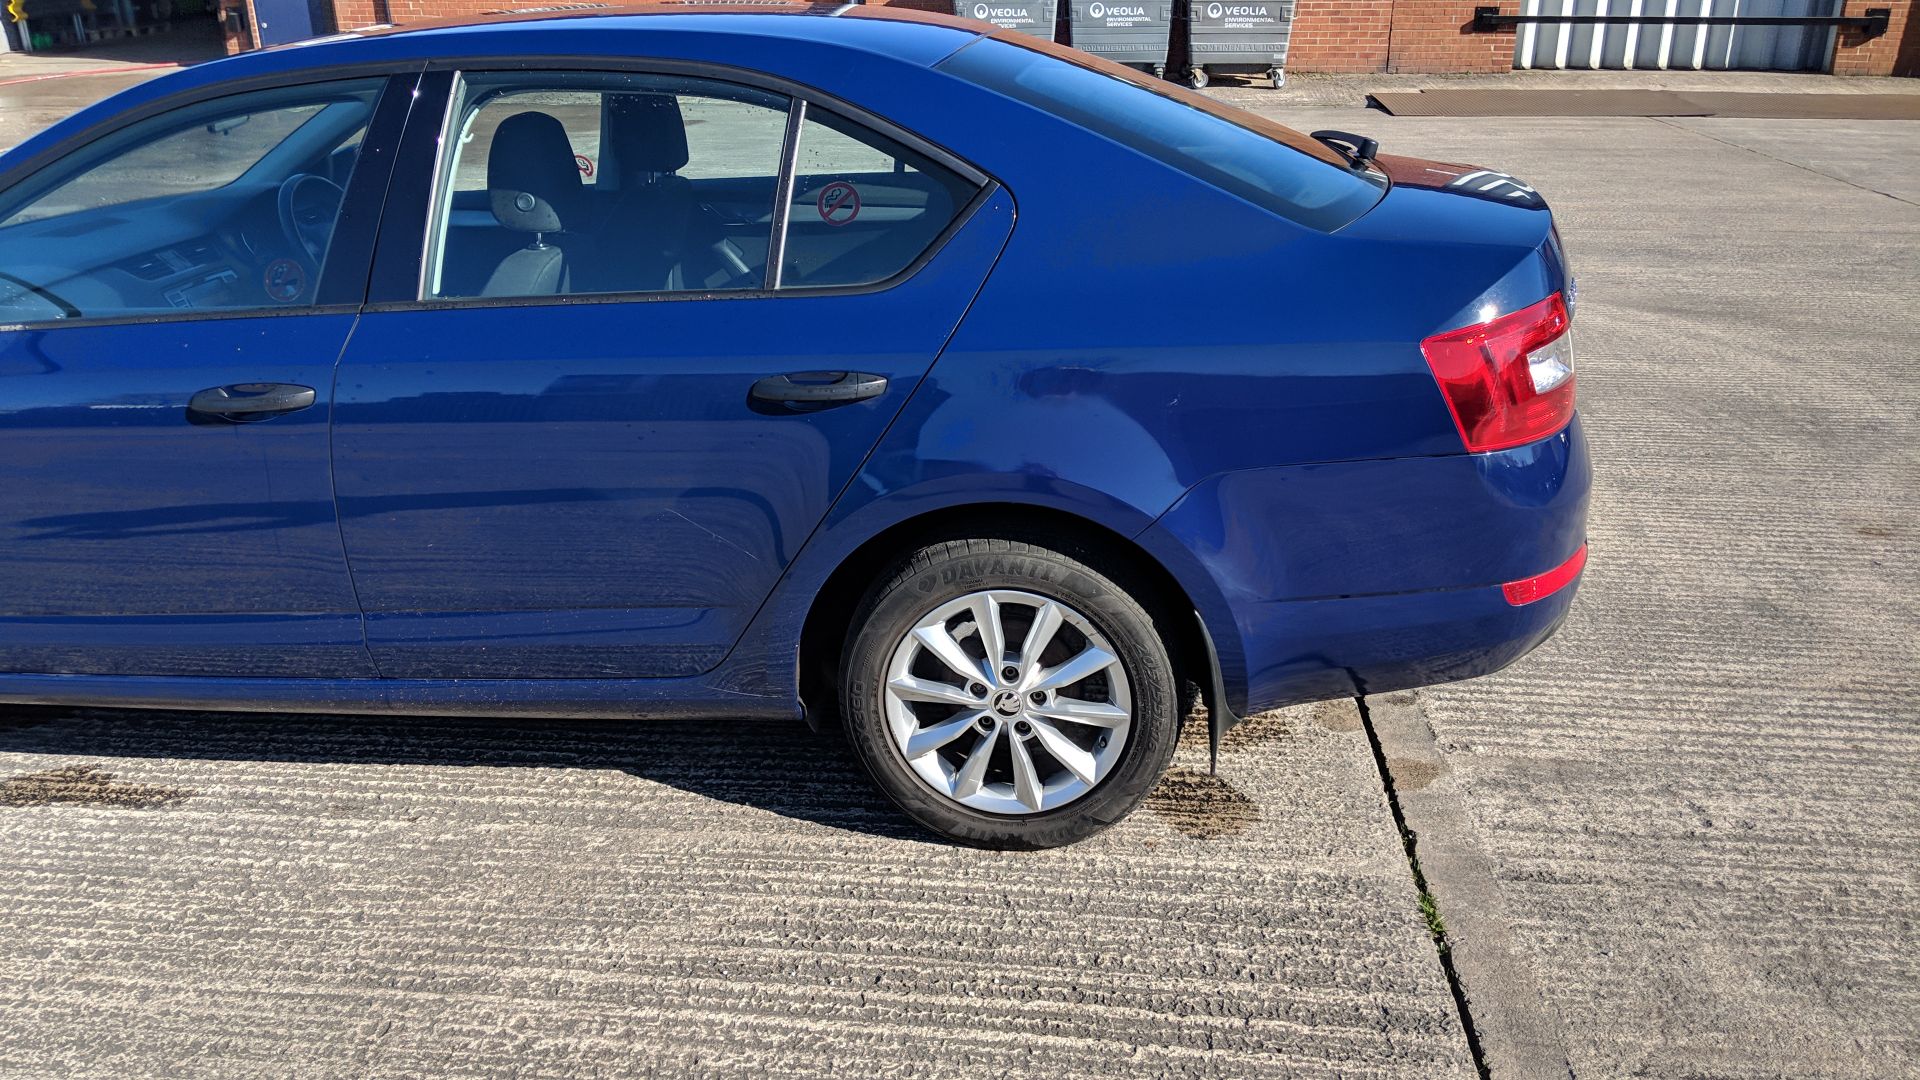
(242, 402)
(818, 388)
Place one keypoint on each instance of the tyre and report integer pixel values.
(1009, 695)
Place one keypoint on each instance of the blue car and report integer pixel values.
(770, 362)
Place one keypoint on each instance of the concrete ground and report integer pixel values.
(1680, 840)
(38, 88)
(242, 896)
(1697, 802)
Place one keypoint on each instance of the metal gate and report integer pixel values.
(1676, 45)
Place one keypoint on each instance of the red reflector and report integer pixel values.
(1540, 586)
(1509, 381)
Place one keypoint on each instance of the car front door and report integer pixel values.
(635, 363)
(174, 295)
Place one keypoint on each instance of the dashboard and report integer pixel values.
(221, 249)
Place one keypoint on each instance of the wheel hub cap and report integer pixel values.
(1049, 731)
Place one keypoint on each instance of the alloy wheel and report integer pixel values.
(1008, 702)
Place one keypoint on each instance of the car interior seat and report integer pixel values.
(533, 186)
(642, 235)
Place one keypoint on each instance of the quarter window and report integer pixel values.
(222, 205)
(864, 206)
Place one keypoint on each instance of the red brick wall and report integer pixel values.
(1426, 36)
(349, 14)
(1435, 35)
(1896, 52)
(352, 14)
(1339, 35)
(1393, 35)
(1429, 36)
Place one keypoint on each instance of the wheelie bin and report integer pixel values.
(1131, 32)
(1237, 37)
(1034, 17)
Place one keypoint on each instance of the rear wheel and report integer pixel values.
(1009, 695)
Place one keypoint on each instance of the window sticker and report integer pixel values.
(839, 203)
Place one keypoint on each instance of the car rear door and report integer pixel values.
(593, 453)
(167, 347)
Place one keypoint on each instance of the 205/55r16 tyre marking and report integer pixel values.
(1008, 702)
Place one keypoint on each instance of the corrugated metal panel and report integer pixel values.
(1700, 48)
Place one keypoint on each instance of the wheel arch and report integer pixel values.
(827, 620)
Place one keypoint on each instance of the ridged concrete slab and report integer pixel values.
(1699, 799)
(243, 896)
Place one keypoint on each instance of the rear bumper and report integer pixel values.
(1320, 581)
(1310, 650)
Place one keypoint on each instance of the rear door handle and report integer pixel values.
(251, 401)
(819, 388)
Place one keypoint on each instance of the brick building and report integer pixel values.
(1333, 35)
(1434, 36)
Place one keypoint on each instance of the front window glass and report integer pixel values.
(223, 205)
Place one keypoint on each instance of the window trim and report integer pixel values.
(782, 213)
(804, 97)
(401, 81)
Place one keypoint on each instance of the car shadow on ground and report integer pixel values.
(779, 768)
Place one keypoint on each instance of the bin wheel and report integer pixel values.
(1278, 76)
(1197, 77)
(1159, 71)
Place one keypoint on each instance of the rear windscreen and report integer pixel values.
(1295, 183)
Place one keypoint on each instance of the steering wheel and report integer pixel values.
(308, 206)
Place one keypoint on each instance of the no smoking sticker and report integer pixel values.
(839, 203)
(284, 281)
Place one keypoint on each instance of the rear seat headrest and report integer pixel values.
(646, 133)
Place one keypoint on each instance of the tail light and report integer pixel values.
(1508, 381)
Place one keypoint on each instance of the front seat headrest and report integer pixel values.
(533, 181)
(646, 134)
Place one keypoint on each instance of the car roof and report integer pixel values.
(914, 38)
(711, 8)
(918, 36)
(904, 35)
(909, 33)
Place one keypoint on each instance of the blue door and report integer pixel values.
(282, 21)
(642, 362)
(165, 500)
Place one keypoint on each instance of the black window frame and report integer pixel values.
(399, 280)
(341, 287)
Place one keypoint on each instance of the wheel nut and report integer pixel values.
(977, 689)
(1022, 728)
(1037, 697)
(1010, 673)
(987, 722)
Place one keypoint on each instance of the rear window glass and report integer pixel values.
(1237, 159)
